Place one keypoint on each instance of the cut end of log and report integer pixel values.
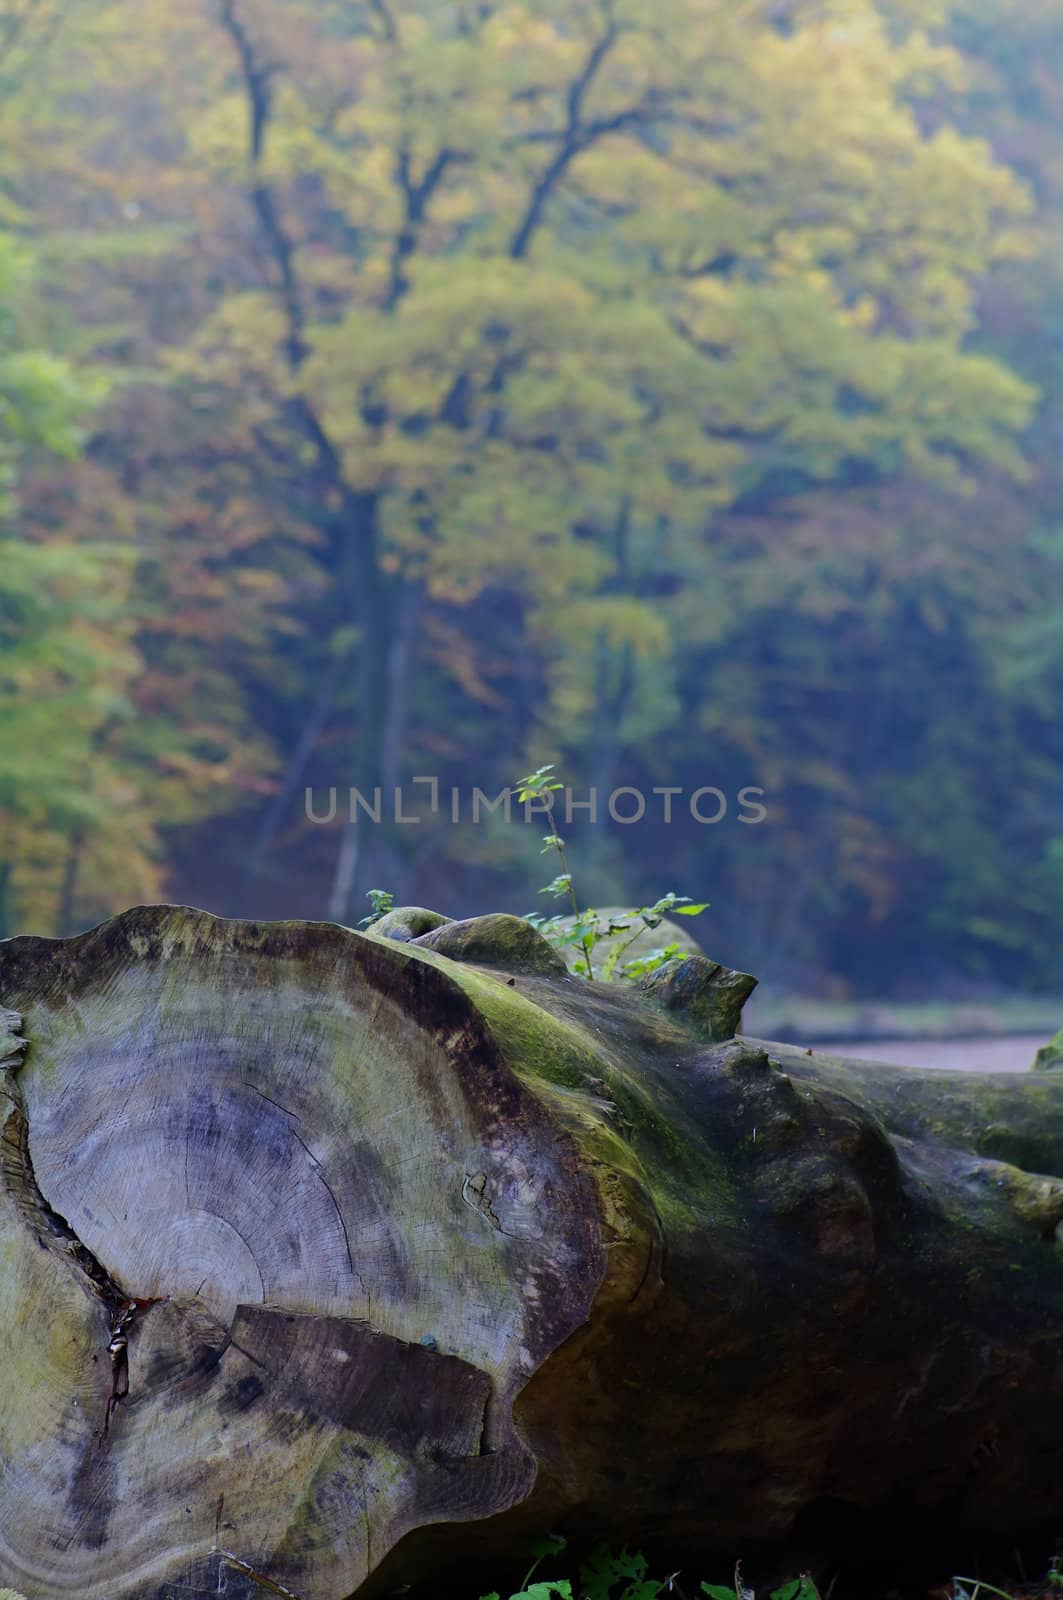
(339, 1230)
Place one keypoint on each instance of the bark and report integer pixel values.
(273, 817)
(390, 609)
(326, 1258)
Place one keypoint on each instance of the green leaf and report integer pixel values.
(643, 1591)
(536, 783)
(642, 965)
(547, 1544)
(382, 901)
(604, 1569)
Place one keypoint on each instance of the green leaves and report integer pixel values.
(381, 902)
(616, 1575)
(640, 966)
(45, 402)
(608, 1574)
(801, 1588)
(537, 783)
(67, 658)
(547, 1544)
(585, 929)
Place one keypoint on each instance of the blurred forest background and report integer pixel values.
(668, 389)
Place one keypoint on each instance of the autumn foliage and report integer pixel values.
(652, 385)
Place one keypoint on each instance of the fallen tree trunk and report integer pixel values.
(312, 1242)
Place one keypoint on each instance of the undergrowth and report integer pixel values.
(610, 1575)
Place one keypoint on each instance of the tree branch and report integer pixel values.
(569, 147)
(416, 197)
(576, 136)
(388, 27)
(257, 77)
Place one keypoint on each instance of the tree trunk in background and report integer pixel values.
(65, 920)
(312, 1242)
(614, 684)
(386, 610)
(384, 867)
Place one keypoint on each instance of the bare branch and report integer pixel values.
(416, 197)
(388, 26)
(257, 76)
(568, 147)
(578, 135)
(257, 79)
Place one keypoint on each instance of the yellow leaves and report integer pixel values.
(620, 621)
(517, 33)
(1017, 244)
(244, 335)
(862, 315)
(217, 138)
(456, 655)
(118, 862)
(501, 407)
(607, 636)
(412, 465)
(564, 397)
(961, 408)
(641, 176)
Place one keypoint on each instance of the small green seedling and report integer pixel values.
(585, 928)
(382, 901)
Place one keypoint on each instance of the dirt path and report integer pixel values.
(1011, 1053)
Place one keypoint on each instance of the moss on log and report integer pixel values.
(1050, 1054)
(315, 1244)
